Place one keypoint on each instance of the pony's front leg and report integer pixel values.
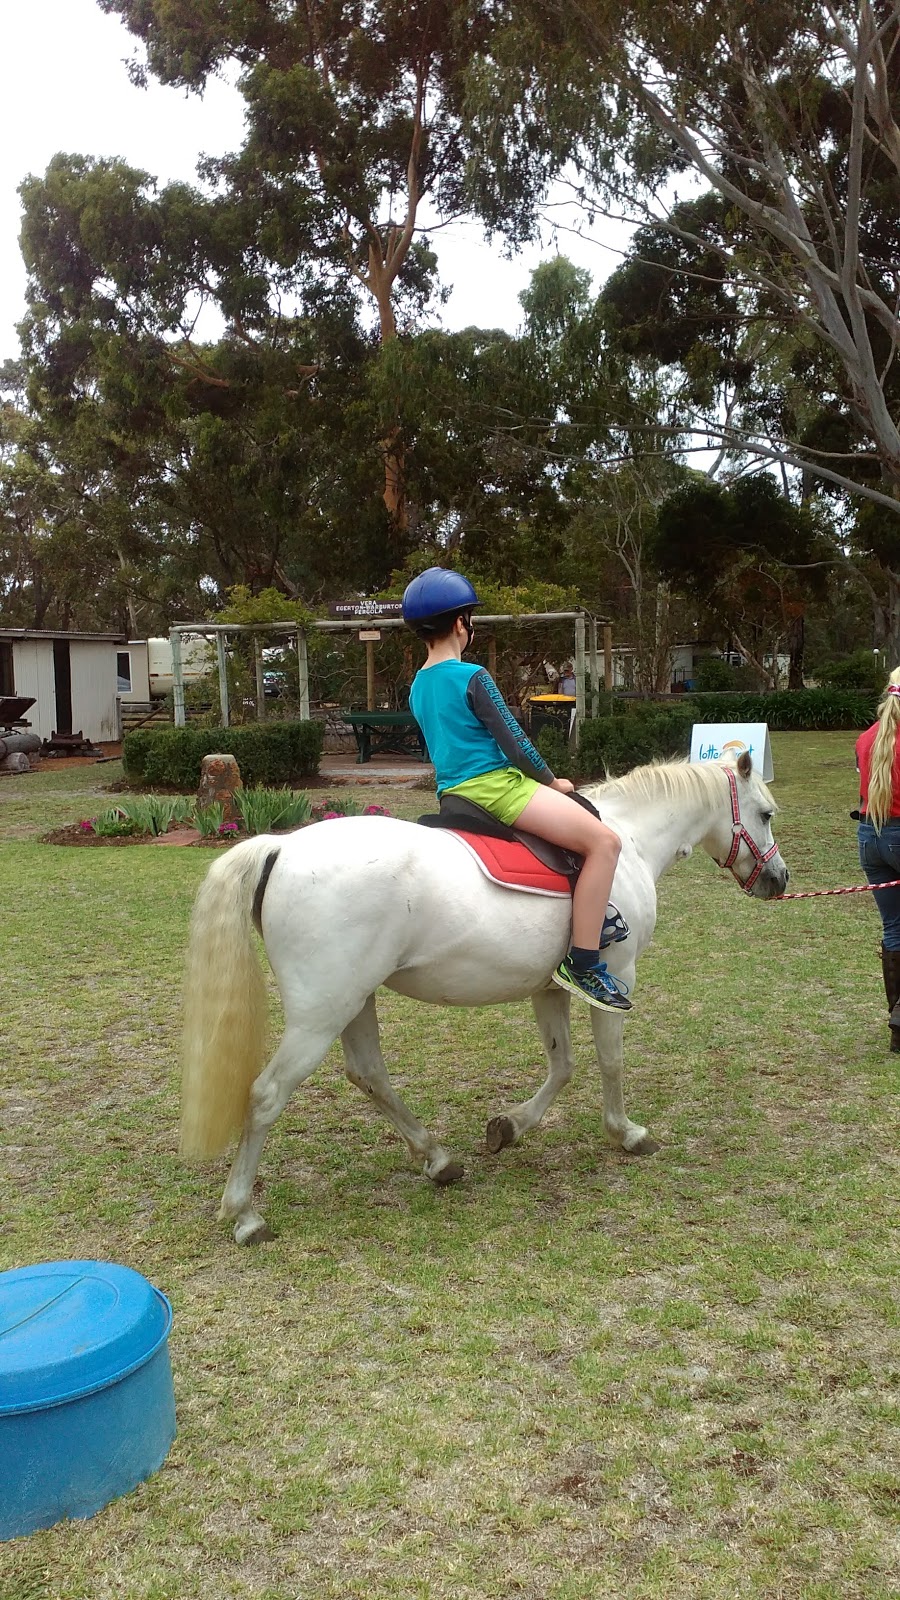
(551, 1010)
(609, 1029)
(296, 1058)
(365, 1067)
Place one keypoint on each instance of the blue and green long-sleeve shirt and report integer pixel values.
(467, 726)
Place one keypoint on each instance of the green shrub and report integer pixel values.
(788, 710)
(614, 745)
(134, 752)
(863, 671)
(713, 675)
(346, 806)
(114, 824)
(153, 813)
(268, 753)
(209, 819)
(264, 809)
(553, 745)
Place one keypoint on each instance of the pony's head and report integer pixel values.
(740, 837)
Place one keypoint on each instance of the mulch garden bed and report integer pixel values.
(74, 834)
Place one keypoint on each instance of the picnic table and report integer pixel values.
(396, 732)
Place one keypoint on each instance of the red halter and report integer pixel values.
(739, 836)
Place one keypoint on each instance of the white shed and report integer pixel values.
(72, 678)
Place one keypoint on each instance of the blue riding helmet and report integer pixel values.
(436, 593)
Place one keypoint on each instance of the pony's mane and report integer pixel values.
(671, 780)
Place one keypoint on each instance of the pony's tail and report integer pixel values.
(225, 1006)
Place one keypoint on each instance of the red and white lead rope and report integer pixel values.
(858, 888)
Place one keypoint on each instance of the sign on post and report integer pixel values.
(369, 635)
(357, 610)
(711, 740)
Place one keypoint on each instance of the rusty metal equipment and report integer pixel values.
(17, 746)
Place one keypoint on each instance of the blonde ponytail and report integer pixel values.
(881, 772)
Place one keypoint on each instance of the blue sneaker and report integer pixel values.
(596, 985)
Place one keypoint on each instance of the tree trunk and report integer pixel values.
(798, 640)
(662, 673)
(392, 442)
(892, 622)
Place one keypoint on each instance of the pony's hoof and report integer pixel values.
(260, 1233)
(644, 1147)
(450, 1172)
(501, 1132)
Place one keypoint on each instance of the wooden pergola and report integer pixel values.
(587, 655)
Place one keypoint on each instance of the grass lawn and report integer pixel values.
(574, 1375)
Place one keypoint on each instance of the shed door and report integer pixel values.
(7, 676)
(62, 681)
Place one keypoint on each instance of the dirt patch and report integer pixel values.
(74, 834)
(106, 752)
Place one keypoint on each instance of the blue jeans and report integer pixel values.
(879, 855)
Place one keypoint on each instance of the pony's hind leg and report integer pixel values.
(296, 1058)
(608, 1038)
(365, 1067)
(551, 1010)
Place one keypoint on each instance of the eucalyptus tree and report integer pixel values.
(356, 145)
(787, 113)
(752, 559)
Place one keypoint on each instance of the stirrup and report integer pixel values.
(614, 929)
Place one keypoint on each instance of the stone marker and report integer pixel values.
(179, 836)
(220, 776)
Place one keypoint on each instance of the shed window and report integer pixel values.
(7, 680)
(123, 671)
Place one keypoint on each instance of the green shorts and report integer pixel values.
(505, 792)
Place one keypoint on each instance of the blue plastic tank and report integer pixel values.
(87, 1407)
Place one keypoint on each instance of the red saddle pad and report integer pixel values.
(513, 866)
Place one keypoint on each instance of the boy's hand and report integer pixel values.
(564, 785)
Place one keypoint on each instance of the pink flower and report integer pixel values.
(327, 815)
(86, 825)
(376, 811)
(228, 827)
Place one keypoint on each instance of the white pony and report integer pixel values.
(348, 905)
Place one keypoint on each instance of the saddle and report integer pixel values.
(464, 816)
(517, 859)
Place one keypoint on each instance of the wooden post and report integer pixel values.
(607, 658)
(177, 677)
(370, 675)
(579, 673)
(303, 674)
(594, 668)
(260, 682)
(223, 677)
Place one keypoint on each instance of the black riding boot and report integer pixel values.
(890, 970)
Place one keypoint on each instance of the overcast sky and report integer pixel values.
(63, 86)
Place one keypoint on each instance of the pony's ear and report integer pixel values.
(744, 764)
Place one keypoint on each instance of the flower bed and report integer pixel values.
(162, 819)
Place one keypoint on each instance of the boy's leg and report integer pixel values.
(552, 815)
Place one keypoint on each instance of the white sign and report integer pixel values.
(712, 740)
(369, 635)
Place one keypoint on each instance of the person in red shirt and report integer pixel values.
(878, 760)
